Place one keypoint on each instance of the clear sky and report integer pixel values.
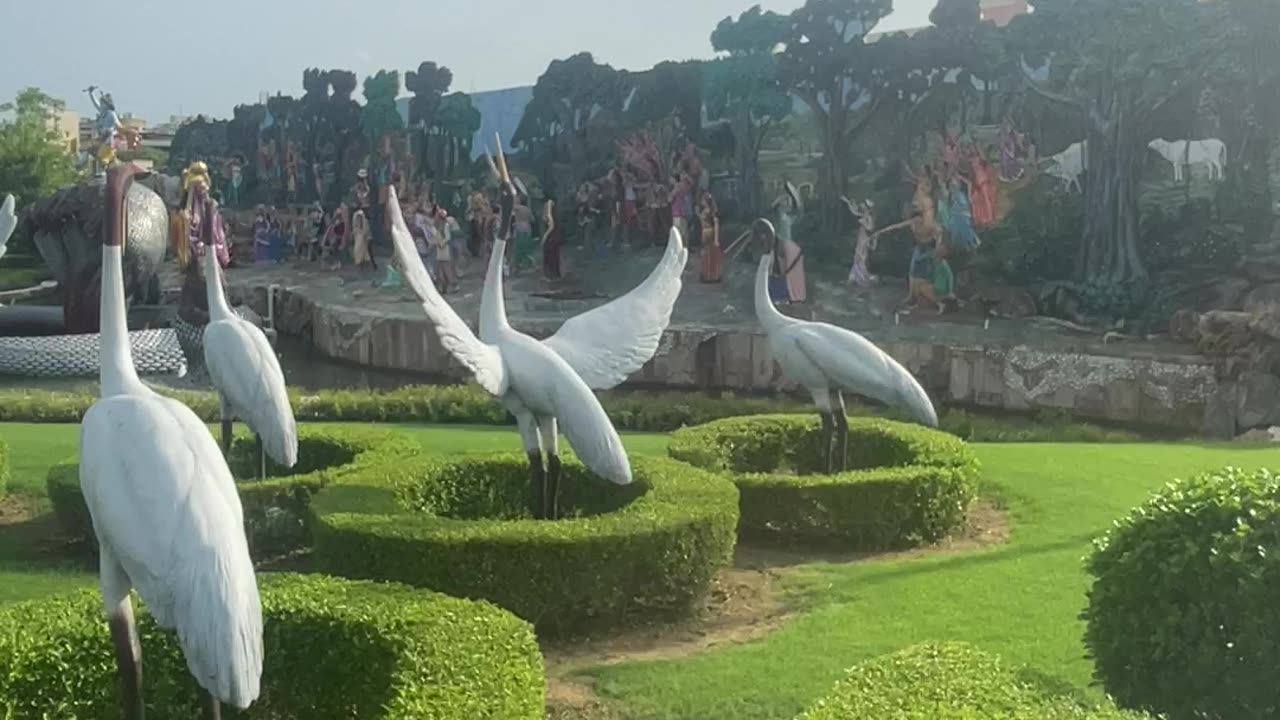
(163, 57)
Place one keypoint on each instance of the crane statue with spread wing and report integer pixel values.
(547, 385)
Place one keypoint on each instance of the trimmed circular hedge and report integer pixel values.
(275, 510)
(334, 648)
(909, 485)
(1182, 616)
(461, 525)
(951, 681)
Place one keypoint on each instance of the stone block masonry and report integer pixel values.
(1166, 391)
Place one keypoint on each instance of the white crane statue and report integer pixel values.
(165, 512)
(548, 385)
(244, 368)
(826, 359)
(8, 221)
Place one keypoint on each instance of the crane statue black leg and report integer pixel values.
(549, 439)
(124, 637)
(262, 458)
(124, 634)
(552, 499)
(828, 432)
(226, 429)
(226, 435)
(841, 431)
(538, 481)
(212, 709)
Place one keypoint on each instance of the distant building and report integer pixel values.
(1001, 12)
(67, 125)
(500, 112)
(133, 122)
(88, 132)
(171, 127)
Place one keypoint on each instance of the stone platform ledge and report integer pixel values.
(386, 329)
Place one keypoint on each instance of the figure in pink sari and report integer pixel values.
(789, 284)
(984, 189)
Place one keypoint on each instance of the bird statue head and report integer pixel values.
(8, 221)
(506, 190)
(764, 236)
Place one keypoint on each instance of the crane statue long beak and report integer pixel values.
(507, 190)
(492, 168)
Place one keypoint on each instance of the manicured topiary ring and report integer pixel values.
(461, 525)
(334, 649)
(275, 509)
(909, 485)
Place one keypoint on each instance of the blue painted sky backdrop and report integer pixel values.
(162, 57)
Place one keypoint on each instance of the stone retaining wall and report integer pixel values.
(1158, 391)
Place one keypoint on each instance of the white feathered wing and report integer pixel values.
(245, 370)
(168, 512)
(606, 345)
(855, 364)
(484, 361)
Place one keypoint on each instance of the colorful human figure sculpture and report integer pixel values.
(107, 126)
(864, 212)
(191, 245)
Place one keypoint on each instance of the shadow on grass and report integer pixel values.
(878, 573)
(37, 541)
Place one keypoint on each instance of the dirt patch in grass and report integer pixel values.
(746, 602)
(15, 509)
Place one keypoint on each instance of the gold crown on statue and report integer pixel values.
(196, 172)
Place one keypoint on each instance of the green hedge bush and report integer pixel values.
(909, 485)
(442, 404)
(334, 649)
(276, 515)
(1183, 616)
(951, 681)
(630, 410)
(461, 525)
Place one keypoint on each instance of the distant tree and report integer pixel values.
(345, 136)
(1247, 84)
(158, 158)
(575, 107)
(744, 91)
(380, 116)
(456, 123)
(1124, 66)
(200, 139)
(34, 158)
(830, 66)
(668, 88)
(428, 83)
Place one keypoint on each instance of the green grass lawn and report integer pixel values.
(1020, 600)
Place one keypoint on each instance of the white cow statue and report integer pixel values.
(1211, 152)
(1069, 164)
